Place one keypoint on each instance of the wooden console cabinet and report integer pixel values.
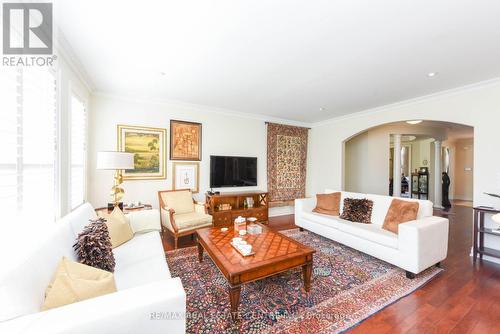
(260, 209)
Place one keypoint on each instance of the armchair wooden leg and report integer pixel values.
(175, 242)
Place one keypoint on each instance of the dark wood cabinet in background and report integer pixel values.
(260, 209)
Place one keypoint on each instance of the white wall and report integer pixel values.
(477, 106)
(223, 134)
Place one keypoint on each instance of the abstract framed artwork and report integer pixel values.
(185, 140)
(186, 175)
(148, 146)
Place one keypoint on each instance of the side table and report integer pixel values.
(480, 231)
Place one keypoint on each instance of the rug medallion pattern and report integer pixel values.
(348, 286)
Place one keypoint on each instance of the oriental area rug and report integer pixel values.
(347, 287)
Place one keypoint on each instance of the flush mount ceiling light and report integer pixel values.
(432, 74)
(413, 122)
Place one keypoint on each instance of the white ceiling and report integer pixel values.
(287, 58)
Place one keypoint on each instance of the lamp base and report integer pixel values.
(111, 206)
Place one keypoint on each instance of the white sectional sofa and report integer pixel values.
(148, 300)
(418, 245)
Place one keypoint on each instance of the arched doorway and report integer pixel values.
(430, 146)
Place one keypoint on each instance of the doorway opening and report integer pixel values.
(435, 162)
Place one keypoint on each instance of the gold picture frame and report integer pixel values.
(148, 145)
(185, 140)
(189, 172)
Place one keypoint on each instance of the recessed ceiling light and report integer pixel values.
(416, 121)
(321, 109)
(162, 73)
(432, 74)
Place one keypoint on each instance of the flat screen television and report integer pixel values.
(228, 171)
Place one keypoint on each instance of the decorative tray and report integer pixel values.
(249, 254)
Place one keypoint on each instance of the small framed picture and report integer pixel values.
(185, 140)
(186, 175)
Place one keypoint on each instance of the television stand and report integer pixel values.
(225, 218)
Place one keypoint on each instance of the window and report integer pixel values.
(78, 152)
(28, 135)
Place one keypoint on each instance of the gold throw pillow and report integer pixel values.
(118, 227)
(74, 282)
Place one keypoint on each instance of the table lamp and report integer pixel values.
(117, 161)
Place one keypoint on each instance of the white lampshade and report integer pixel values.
(115, 160)
(496, 218)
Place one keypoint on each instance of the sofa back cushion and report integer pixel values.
(180, 200)
(22, 288)
(381, 204)
(79, 218)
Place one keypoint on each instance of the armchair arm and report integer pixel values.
(200, 207)
(167, 218)
(158, 307)
(423, 242)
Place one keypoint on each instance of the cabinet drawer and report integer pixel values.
(260, 214)
(222, 219)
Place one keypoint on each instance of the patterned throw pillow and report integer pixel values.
(357, 210)
(93, 246)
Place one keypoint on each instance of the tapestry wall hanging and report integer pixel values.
(286, 161)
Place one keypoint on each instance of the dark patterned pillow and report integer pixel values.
(357, 210)
(93, 246)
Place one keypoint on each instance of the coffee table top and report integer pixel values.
(269, 247)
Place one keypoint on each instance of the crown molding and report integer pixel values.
(413, 101)
(64, 50)
(200, 108)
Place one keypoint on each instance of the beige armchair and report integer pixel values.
(180, 214)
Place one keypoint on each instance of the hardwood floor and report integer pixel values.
(465, 298)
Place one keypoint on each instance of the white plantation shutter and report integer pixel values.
(28, 136)
(78, 152)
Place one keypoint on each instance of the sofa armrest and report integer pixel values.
(423, 242)
(158, 307)
(144, 221)
(305, 205)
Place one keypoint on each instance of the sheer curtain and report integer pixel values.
(78, 152)
(28, 132)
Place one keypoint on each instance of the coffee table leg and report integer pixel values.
(307, 272)
(200, 252)
(234, 297)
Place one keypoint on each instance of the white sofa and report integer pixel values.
(148, 300)
(418, 245)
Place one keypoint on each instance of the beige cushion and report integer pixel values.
(181, 201)
(74, 282)
(193, 220)
(118, 227)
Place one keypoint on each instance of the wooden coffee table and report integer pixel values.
(274, 253)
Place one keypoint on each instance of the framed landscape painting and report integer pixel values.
(185, 141)
(148, 146)
(186, 176)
